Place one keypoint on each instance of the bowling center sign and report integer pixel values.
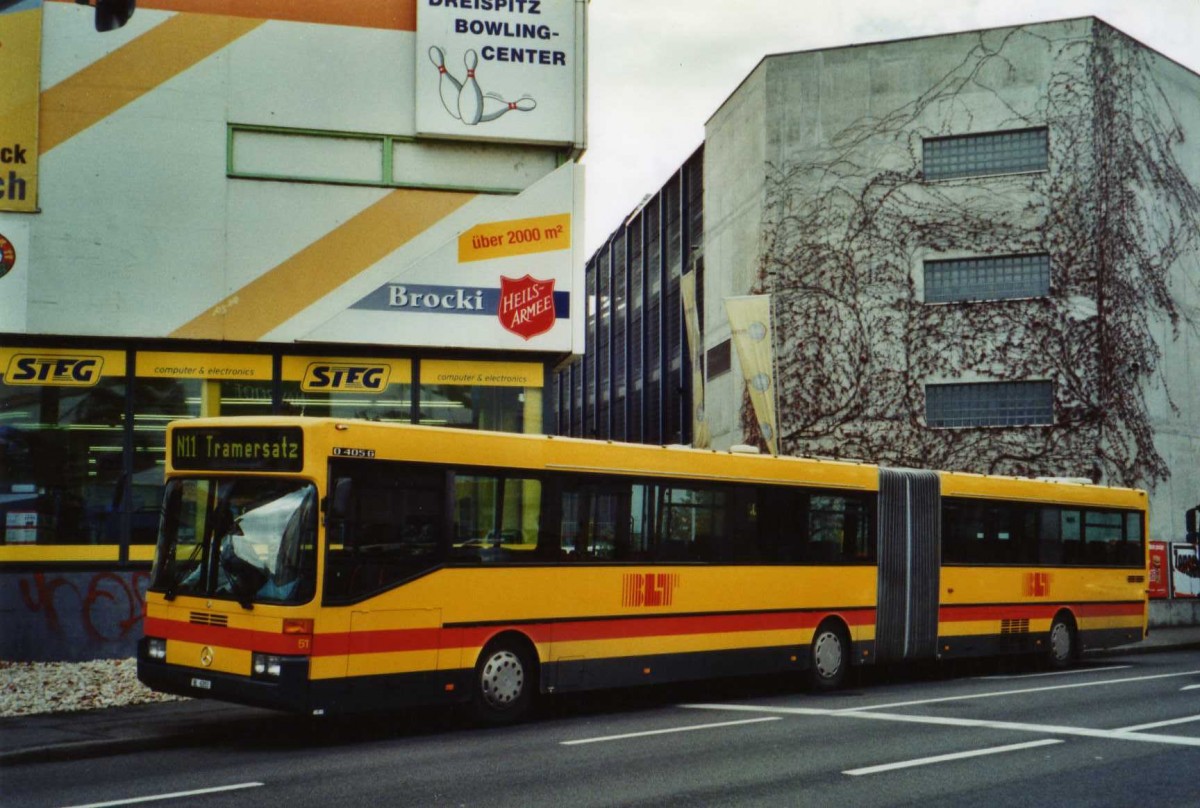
(501, 69)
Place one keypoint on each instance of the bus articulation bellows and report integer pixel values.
(326, 566)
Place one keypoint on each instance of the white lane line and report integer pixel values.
(1074, 672)
(1157, 724)
(925, 761)
(1021, 691)
(974, 723)
(1190, 687)
(648, 733)
(172, 796)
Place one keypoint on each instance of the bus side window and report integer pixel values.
(590, 524)
(782, 528)
(1050, 547)
(1072, 536)
(1133, 551)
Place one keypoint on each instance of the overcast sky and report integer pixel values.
(658, 69)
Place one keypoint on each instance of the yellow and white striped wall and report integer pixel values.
(251, 170)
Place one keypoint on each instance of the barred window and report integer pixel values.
(989, 404)
(998, 278)
(993, 153)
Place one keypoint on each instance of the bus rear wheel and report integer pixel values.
(1061, 644)
(829, 657)
(504, 682)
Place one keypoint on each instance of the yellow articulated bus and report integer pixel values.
(325, 566)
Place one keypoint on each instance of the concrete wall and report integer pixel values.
(733, 213)
(852, 119)
(1176, 419)
(59, 615)
(1164, 613)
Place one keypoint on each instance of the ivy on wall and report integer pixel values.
(846, 229)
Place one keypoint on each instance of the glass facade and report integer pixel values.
(62, 439)
(634, 380)
(82, 432)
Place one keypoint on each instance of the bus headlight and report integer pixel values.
(266, 665)
(156, 648)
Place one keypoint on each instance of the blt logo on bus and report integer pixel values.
(58, 371)
(345, 378)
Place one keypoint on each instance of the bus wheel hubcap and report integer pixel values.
(503, 679)
(827, 654)
(1060, 641)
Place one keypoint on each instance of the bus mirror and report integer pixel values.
(339, 505)
(110, 14)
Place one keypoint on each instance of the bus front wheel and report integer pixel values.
(504, 682)
(1061, 645)
(829, 657)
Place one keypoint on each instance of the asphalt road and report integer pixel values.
(1118, 731)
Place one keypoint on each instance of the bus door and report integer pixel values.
(910, 548)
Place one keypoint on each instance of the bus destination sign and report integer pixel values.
(238, 448)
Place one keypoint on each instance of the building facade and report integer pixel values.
(976, 252)
(359, 210)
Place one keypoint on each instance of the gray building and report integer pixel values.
(981, 252)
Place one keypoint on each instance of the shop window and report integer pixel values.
(497, 396)
(62, 421)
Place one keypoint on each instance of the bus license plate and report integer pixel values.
(202, 684)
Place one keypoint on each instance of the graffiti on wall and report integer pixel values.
(72, 615)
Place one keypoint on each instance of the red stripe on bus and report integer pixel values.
(241, 638)
(1021, 611)
(363, 642)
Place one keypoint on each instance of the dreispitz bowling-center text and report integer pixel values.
(505, 29)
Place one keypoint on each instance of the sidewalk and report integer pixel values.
(93, 733)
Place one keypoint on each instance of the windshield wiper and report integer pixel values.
(182, 573)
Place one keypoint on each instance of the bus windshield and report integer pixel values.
(252, 540)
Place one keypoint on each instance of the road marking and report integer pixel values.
(925, 761)
(974, 723)
(1021, 691)
(1076, 671)
(172, 796)
(668, 731)
(1190, 687)
(1157, 724)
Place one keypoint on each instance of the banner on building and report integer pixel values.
(701, 435)
(20, 75)
(750, 322)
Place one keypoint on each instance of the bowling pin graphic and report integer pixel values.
(494, 106)
(448, 86)
(470, 97)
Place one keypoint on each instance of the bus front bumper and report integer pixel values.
(288, 691)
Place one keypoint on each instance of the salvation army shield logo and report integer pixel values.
(526, 305)
(8, 255)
